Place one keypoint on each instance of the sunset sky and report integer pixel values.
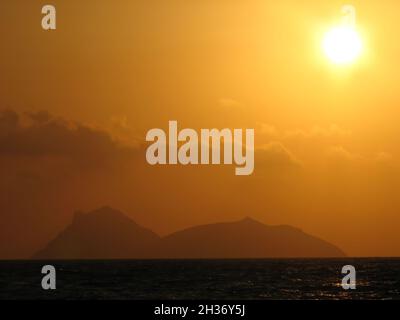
(76, 104)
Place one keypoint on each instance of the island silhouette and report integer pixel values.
(107, 233)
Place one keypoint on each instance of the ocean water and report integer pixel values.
(202, 279)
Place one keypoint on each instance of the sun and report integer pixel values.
(342, 45)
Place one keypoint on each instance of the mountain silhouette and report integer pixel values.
(109, 234)
(247, 238)
(101, 234)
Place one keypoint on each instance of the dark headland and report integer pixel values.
(109, 234)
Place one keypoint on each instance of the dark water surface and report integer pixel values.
(202, 279)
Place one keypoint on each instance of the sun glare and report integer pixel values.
(342, 45)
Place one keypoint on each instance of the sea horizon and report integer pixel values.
(205, 259)
(207, 279)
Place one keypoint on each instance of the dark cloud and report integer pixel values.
(46, 135)
(40, 116)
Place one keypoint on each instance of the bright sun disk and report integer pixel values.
(342, 45)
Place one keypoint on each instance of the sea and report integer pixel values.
(262, 279)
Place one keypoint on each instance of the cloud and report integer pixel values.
(46, 135)
(384, 158)
(229, 103)
(325, 132)
(341, 154)
(275, 154)
(120, 122)
(267, 130)
(332, 131)
(40, 116)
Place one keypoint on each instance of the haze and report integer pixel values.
(77, 103)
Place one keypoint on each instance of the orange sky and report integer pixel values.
(327, 138)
